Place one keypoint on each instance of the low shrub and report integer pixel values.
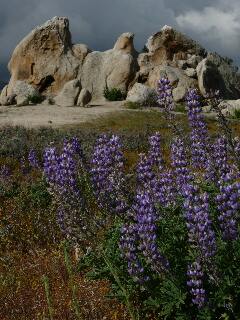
(114, 94)
(35, 99)
(236, 114)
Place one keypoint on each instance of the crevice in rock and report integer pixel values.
(32, 68)
(45, 83)
(142, 78)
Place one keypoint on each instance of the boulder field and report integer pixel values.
(47, 63)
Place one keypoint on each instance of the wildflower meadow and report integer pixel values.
(162, 234)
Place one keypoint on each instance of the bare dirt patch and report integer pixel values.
(33, 116)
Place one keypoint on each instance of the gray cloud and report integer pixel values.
(99, 22)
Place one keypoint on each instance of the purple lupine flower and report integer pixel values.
(61, 174)
(146, 226)
(67, 170)
(218, 166)
(51, 165)
(224, 174)
(32, 158)
(180, 163)
(200, 231)
(165, 96)
(108, 174)
(166, 102)
(237, 146)
(128, 246)
(155, 153)
(221, 160)
(199, 134)
(228, 205)
(76, 146)
(195, 283)
(145, 174)
(165, 190)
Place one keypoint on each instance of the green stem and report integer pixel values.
(134, 315)
(71, 281)
(48, 296)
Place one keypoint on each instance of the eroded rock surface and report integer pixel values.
(47, 61)
(115, 68)
(69, 94)
(46, 58)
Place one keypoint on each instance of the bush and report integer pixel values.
(114, 94)
(236, 114)
(35, 99)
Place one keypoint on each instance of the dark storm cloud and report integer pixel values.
(99, 22)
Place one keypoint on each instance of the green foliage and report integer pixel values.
(166, 295)
(114, 94)
(132, 105)
(39, 195)
(45, 280)
(35, 99)
(180, 107)
(236, 114)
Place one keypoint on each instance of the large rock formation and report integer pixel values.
(69, 94)
(46, 60)
(84, 98)
(115, 68)
(217, 73)
(140, 93)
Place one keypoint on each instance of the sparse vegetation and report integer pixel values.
(236, 114)
(132, 105)
(35, 99)
(114, 94)
(180, 107)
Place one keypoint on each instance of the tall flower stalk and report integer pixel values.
(200, 230)
(199, 134)
(108, 174)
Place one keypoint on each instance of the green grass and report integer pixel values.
(236, 114)
(132, 105)
(180, 107)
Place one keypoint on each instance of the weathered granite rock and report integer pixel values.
(46, 58)
(140, 93)
(230, 106)
(69, 94)
(179, 80)
(193, 61)
(84, 98)
(5, 99)
(116, 67)
(191, 72)
(216, 73)
(3, 95)
(23, 91)
(171, 45)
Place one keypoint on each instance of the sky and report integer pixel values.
(98, 23)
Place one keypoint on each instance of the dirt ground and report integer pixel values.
(33, 116)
